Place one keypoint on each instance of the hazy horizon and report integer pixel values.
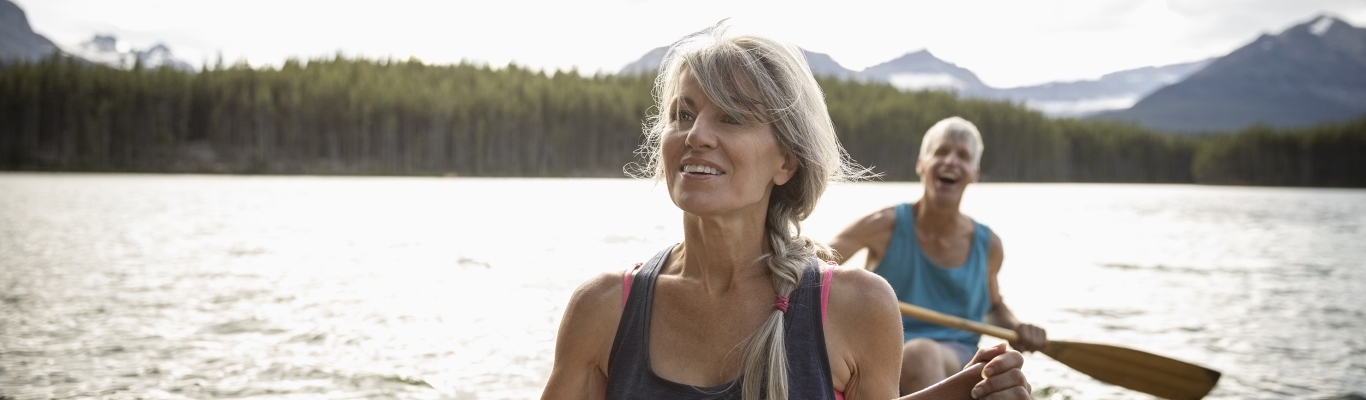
(1018, 44)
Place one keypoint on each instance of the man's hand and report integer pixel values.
(1032, 338)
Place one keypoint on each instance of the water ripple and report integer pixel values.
(170, 287)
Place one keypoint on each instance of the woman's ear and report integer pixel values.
(788, 169)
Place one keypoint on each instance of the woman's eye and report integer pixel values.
(731, 119)
(683, 116)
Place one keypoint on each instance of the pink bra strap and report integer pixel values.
(626, 283)
(826, 275)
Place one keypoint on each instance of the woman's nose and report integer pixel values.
(701, 135)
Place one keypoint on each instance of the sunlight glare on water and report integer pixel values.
(191, 286)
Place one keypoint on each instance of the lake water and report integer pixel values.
(192, 286)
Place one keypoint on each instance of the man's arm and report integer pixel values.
(871, 232)
(1032, 337)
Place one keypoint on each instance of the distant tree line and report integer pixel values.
(328, 116)
(354, 116)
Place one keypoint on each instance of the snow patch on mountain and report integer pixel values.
(1321, 26)
(105, 49)
(912, 81)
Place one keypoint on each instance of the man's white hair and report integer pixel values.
(955, 127)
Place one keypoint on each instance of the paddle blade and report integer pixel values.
(1136, 370)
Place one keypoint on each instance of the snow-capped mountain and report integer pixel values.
(1113, 91)
(104, 49)
(1311, 73)
(921, 70)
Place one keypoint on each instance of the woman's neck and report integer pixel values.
(720, 251)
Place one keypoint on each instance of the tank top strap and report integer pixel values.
(808, 361)
(905, 223)
(628, 371)
(981, 236)
(981, 244)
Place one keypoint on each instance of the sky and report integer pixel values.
(1007, 43)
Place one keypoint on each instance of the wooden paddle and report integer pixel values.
(1136, 370)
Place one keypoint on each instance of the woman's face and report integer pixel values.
(717, 164)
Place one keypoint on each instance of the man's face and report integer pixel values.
(947, 168)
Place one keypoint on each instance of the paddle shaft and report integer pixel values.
(956, 322)
(1144, 372)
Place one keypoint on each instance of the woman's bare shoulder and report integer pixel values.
(590, 322)
(584, 343)
(598, 297)
(858, 292)
(860, 284)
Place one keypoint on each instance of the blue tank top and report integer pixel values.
(959, 291)
(808, 365)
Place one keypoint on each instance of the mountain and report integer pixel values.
(19, 42)
(1311, 73)
(1113, 91)
(103, 49)
(920, 71)
(647, 64)
(821, 64)
(17, 39)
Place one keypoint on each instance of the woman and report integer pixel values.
(743, 308)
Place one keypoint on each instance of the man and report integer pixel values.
(936, 257)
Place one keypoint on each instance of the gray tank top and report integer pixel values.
(628, 370)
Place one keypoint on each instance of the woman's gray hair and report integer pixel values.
(757, 77)
(955, 127)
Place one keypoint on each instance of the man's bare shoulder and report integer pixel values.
(885, 217)
(879, 220)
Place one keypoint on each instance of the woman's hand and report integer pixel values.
(1002, 378)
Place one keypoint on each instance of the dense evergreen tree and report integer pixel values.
(350, 116)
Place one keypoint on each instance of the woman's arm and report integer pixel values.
(585, 339)
(863, 335)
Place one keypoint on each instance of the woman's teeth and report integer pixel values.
(700, 169)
